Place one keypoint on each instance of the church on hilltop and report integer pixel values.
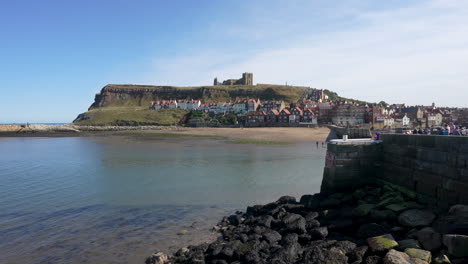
(247, 79)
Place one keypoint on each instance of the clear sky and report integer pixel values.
(55, 55)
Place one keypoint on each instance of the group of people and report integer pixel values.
(446, 130)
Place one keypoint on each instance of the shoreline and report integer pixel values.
(369, 224)
(238, 135)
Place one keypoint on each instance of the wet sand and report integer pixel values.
(276, 134)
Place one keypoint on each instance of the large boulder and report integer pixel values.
(382, 243)
(419, 254)
(429, 238)
(397, 257)
(457, 245)
(416, 218)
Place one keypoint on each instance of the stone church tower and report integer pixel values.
(247, 78)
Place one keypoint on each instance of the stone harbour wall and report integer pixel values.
(349, 165)
(435, 167)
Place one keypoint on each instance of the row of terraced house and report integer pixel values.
(259, 113)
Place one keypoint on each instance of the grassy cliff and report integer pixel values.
(123, 104)
(125, 116)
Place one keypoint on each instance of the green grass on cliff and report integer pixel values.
(210, 94)
(110, 116)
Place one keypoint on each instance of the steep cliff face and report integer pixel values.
(141, 95)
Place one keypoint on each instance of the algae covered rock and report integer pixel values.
(382, 243)
(419, 254)
(363, 209)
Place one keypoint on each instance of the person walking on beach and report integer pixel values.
(316, 143)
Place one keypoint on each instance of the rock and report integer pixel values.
(408, 243)
(251, 257)
(182, 232)
(157, 258)
(363, 210)
(182, 251)
(459, 210)
(304, 239)
(460, 261)
(346, 246)
(382, 243)
(416, 217)
(373, 260)
(441, 259)
(357, 255)
(329, 214)
(359, 194)
(418, 261)
(371, 230)
(286, 200)
(381, 215)
(310, 201)
(294, 223)
(312, 224)
(456, 222)
(235, 219)
(419, 254)
(457, 245)
(318, 255)
(341, 225)
(390, 200)
(319, 233)
(429, 239)
(311, 216)
(219, 261)
(294, 208)
(272, 236)
(264, 220)
(254, 210)
(396, 257)
(289, 239)
(397, 208)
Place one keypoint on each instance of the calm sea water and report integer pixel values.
(117, 200)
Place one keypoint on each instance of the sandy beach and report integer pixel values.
(276, 134)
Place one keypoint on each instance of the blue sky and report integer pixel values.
(55, 55)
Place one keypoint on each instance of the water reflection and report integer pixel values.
(75, 200)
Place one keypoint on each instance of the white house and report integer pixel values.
(405, 121)
(193, 104)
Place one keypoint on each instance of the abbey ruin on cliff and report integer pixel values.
(247, 79)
